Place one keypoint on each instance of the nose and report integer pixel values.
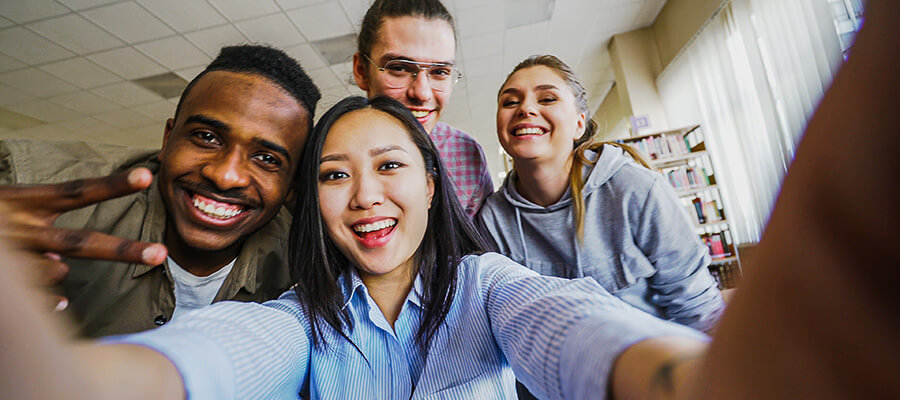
(420, 89)
(526, 108)
(369, 191)
(227, 171)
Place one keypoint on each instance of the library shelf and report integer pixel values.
(695, 190)
(669, 161)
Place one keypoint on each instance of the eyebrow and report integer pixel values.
(372, 153)
(274, 147)
(211, 122)
(394, 56)
(538, 87)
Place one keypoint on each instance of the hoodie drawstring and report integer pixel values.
(521, 235)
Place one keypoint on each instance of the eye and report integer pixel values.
(510, 103)
(205, 137)
(267, 159)
(440, 72)
(548, 99)
(390, 165)
(330, 176)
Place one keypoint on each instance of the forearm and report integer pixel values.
(658, 368)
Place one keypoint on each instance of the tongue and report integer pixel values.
(375, 234)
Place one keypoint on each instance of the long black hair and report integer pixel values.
(316, 263)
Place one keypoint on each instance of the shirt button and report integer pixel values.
(161, 319)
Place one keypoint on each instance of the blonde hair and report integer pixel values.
(586, 141)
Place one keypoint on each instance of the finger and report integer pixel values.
(78, 193)
(88, 244)
(49, 271)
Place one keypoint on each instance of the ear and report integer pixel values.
(170, 124)
(360, 72)
(580, 126)
(430, 183)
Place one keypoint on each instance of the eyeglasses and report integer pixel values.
(402, 73)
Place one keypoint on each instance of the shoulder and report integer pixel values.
(50, 162)
(448, 133)
(489, 269)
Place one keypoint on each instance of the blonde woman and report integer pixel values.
(574, 208)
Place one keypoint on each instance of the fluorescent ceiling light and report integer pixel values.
(337, 50)
(167, 85)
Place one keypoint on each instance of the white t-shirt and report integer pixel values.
(192, 291)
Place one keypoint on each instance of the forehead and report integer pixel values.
(246, 102)
(416, 38)
(532, 77)
(363, 129)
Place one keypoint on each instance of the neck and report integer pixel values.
(543, 182)
(389, 291)
(196, 261)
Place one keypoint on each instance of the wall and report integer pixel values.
(636, 64)
(611, 117)
(677, 24)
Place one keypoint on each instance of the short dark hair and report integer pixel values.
(316, 262)
(268, 62)
(381, 9)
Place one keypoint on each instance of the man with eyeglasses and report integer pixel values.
(406, 51)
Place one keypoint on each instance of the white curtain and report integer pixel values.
(752, 78)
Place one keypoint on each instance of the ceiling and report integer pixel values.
(79, 69)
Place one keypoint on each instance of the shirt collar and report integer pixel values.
(351, 284)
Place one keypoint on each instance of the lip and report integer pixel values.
(373, 242)
(426, 118)
(187, 196)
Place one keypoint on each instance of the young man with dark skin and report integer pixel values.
(406, 50)
(225, 168)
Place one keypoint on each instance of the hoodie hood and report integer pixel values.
(611, 160)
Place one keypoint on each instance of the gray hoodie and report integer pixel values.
(639, 242)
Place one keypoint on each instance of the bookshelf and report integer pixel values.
(681, 156)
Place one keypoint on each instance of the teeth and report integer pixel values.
(385, 223)
(528, 131)
(218, 212)
(419, 113)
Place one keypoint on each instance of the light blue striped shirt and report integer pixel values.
(559, 336)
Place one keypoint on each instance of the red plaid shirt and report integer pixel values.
(465, 164)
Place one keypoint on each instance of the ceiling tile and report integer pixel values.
(124, 118)
(276, 30)
(36, 82)
(46, 132)
(81, 72)
(486, 66)
(29, 47)
(321, 21)
(129, 21)
(45, 111)
(306, 55)
(480, 20)
(8, 63)
(324, 78)
(337, 50)
(356, 10)
(157, 111)
(76, 33)
(344, 72)
(213, 39)
(127, 62)
(236, 10)
(84, 102)
(191, 72)
(617, 20)
(481, 45)
(174, 53)
(184, 15)
(649, 13)
(5, 22)
(127, 94)
(83, 4)
(532, 38)
(291, 4)
(34, 10)
(10, 95)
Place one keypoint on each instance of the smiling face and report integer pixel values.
(537, 117)
(414, 39)
(374, 193)
(227, 163)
